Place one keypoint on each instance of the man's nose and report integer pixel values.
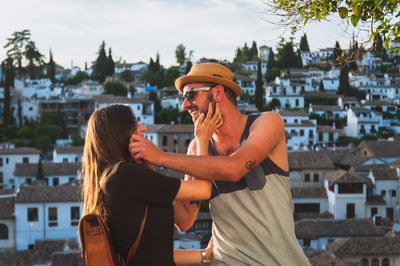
(186, 104)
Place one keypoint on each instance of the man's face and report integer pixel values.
(201, 98)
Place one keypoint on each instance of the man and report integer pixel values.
(251, 202)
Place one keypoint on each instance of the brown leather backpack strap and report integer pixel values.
(132, 250)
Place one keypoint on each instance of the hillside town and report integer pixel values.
(342, 131)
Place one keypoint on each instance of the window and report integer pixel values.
(331, 240)
(1, 161)
(7, 160)
(71, 179)
(74, 216)
(311, 133)
(32, 214)
(330, 136)
(52, 216)
(383, 193)
(385, 262)
(55, 181)
(3, 231)
(375, 262)
(296, 121)
(301, 132)
(65, 160)
(28, 181)
(320, 136)
(31, 246)
(164, 140)
(316, 177)
(306, 242)
(374, 211)
(1, 177)
(393, 193)
(307, 177)
(25, 160)
(364, 262)
(297, 102)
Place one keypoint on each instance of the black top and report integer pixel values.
(125, 195)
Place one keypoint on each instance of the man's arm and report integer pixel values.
(266, 133)
(185, 212)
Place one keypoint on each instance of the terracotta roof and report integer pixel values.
(320, 94)
(316, 228)
(62, 193)
(309, 192)
(385, 174)
(7, 191)
(309, 160)
(7, 208)
(336, 156)
(19, 151)
(342, 176)
(378, 103)
(351, 159)
(170, 128)
(67, 150)
(49, 169)
(382, 148)
(305, 123)
(366, 246)
(368, 167)
(326, 129)
(106, 98)
(326, 258)
(375, 200)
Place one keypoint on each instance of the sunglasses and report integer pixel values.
(190, 94)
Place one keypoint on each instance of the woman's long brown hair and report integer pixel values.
(107, 138)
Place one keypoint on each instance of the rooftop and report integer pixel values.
(308, 192)
(49, 169)
(39, 194)
(68, 150)
(309, 160)
(17, 151)
(106, 98)
(366, 246)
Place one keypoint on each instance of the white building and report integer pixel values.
(91, 87)
(67, 154)
(248, 84)
(54, 173)
(300, 131)
(10, 157)
(362, 121)
(289, 94)
(29, 109)
(7, 220)
(44, 212)
(143, 109)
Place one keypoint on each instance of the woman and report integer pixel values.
(121, 197)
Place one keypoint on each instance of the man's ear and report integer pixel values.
(219, 93)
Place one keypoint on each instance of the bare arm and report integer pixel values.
(192, 256)
(267, 132)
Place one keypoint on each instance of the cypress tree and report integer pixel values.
(39, 172)
(8, 83)
(101, 64)
(110, 63)
(321, 86)
(259, 87)
(246, 53)
(299, 62)
(254, 51)
(239, 56)
(304, 44)
(51, 68)
(337, 52)
(189, 65)
(344, 85)
(286, 56)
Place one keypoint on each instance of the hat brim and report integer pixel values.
(182, 81)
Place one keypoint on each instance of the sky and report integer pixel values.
(139, 29)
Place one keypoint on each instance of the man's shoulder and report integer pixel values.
(268, 118)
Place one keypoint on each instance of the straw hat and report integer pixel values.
(209, 73)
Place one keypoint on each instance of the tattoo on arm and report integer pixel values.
(197, 202)
(250, 164)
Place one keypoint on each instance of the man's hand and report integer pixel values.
(141, 149)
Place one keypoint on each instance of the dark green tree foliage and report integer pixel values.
(52, 131)
(344, 85)
(171, 74)
(299, 62)
(273, 70)
(239, 56)
(378, 48)
(101, 65)
(110, 64)
(8, 69)
(157, 104)
(286, 57)
(78, 78)
(127, 76)
(51, 68)
(20, 120)
(39, 172)
(25, 133)
(337, 52)
(246, 52)
(115, 87)
(154, 73)
(304, 44)
(35, 59)
(321, 86)
(254, 51)
(259, 87)
(189, 65)
(43, 143)
(16, 44)
(180, 54)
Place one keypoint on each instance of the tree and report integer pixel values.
(239, 56)
(272, 70)
(157, 104)
(115, 87)
(304, 44)
(259, 87)
(110, 64)
(337, 52)
(188, 66)
(171, 74)
(35, 59)
(254, 51)
(9, 73)
(321, 86)
(299, 61)
(51, 68)
(286, 57)
(375, 17)
(344, 85)
(246, 53)
(16, 44)
(39, 172)
(180, 54)
(101, 64)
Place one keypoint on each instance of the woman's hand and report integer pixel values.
(205, 127)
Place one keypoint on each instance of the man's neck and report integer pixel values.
(232, 126)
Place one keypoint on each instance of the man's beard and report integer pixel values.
(210, 100)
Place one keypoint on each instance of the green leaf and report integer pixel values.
(357, 11)
(387, 43)
(354, 20)
(343, 12)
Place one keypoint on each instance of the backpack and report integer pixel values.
(97, 248)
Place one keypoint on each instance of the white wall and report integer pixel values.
(8, 168)
(10, 242)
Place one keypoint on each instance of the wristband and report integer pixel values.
(204, 256)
